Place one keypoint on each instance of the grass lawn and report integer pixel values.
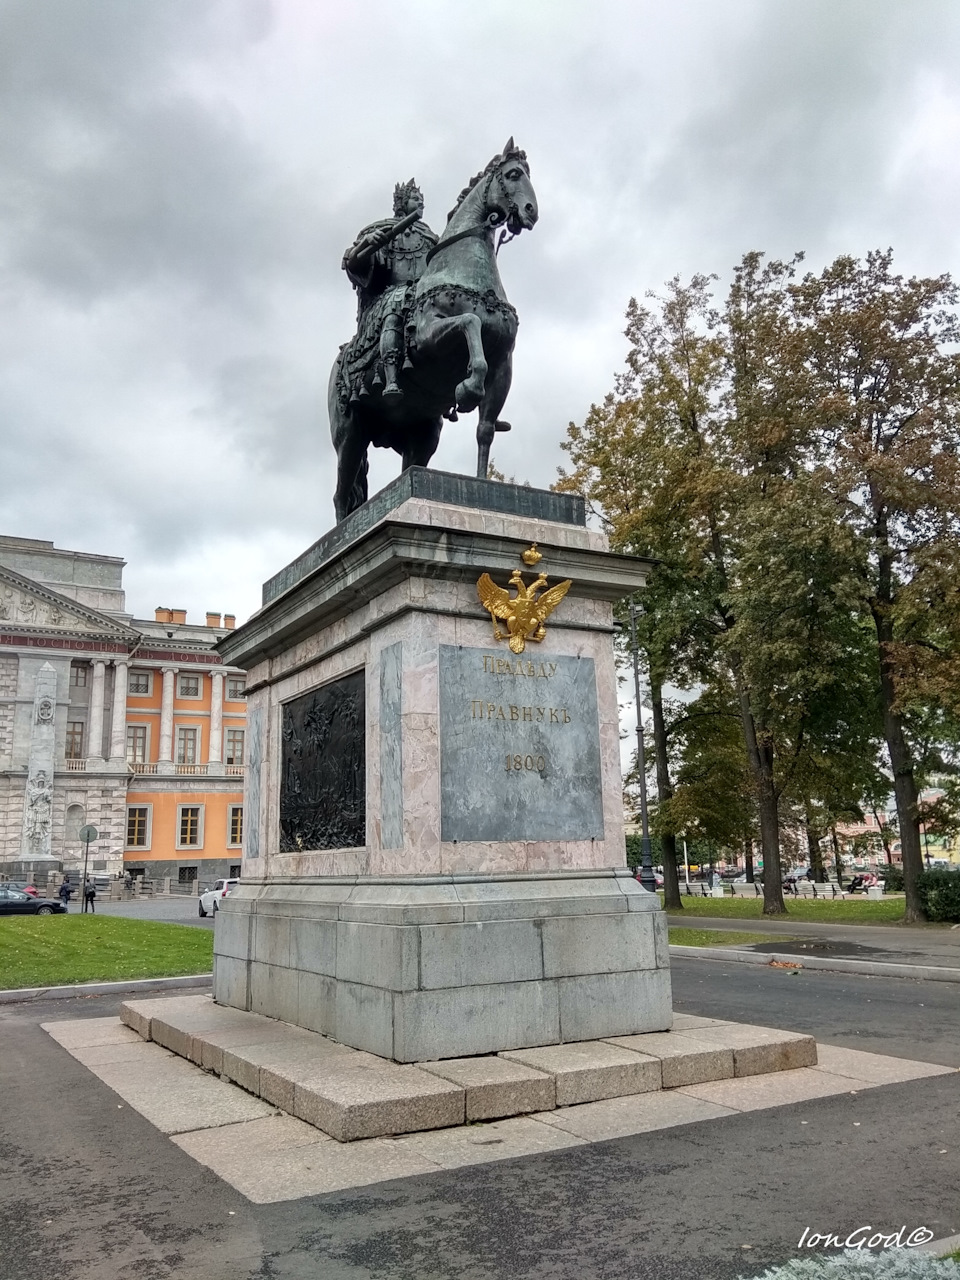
(46, 951)
(715, 937)
(837, 911)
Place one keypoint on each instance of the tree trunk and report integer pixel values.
(671, 876)
(904, 782)
(760, 758)
(814, 851)
(838, 860)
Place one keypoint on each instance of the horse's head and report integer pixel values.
(501, 194)
(510, 192)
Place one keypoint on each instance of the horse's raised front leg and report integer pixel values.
(498, 387)
(437, 330)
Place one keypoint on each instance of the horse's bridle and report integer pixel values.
(490, 223)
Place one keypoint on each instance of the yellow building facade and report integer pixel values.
(144, 733)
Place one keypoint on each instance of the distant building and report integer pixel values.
(134, 727)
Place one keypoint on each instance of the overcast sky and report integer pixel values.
(180, 179)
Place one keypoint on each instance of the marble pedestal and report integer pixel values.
(433, 827)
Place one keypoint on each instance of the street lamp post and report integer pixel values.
(647, 879)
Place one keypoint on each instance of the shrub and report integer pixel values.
(940, 894)
(858, 1264)
(892, 878)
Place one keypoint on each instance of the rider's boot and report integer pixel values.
(390, 346)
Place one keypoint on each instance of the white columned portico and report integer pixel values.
(215, 753)
(166, 721)
(95, 732)
(118, 725)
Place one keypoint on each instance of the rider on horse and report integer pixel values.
(384, 263)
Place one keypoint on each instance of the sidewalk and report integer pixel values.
(868, 945)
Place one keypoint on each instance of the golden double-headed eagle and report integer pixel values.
(527, 611)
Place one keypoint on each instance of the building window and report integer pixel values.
(78, 674)
(74, 746)
(188, 687)
(136, 743)
(186, 746)
(234, 746)
(235, 687)
(187, 875)
(138, 826)
(235, 825)
(190, 826)
(140, 684)
(235, 869)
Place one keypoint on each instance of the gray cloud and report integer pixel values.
(181, 180)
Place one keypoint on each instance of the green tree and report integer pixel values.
(875, 356)
(697, 459)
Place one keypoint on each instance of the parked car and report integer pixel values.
(17, 902)
(209, 901)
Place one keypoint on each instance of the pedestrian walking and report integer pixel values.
(65, 893)
(89, 896)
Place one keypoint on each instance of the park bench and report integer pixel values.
(747, 890)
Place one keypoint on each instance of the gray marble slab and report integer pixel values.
(391, 747)
(440, 486)
(251, 799)
(519, 746)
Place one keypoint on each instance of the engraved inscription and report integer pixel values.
(518, 768)
(323, 763)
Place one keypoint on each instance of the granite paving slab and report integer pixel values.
(484, 1143)
(176, 1096)
(621, 1117)
(298, 1169)
(684, 1057)
(143, 1053)
(270, 1157)
(755, 1093)
(874, 1067)
(354, 1101)
(591, 1069)
(495, 1087)
(87, 1032)
(760, 1050)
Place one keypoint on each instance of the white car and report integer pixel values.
(209, 901)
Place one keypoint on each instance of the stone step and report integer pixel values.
(350, 1094)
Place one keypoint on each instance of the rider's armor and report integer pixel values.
(384, 270)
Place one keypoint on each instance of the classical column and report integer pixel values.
(95, 731)
(166, 721)
(118, 725)
(215, 753)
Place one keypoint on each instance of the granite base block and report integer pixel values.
(352, 1094)
(450, 966)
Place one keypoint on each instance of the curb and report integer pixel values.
(866, 968)
(942, 1247)
(20, 994)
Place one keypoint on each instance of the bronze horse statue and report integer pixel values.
(458, 336)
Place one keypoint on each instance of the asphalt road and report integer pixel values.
(173, 910)
(90, 1191)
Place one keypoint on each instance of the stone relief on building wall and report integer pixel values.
(39, 805)
(17, 606)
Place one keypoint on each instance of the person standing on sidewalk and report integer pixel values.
(65, 892)
(89, 896)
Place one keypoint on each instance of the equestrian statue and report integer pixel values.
(435, 332)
